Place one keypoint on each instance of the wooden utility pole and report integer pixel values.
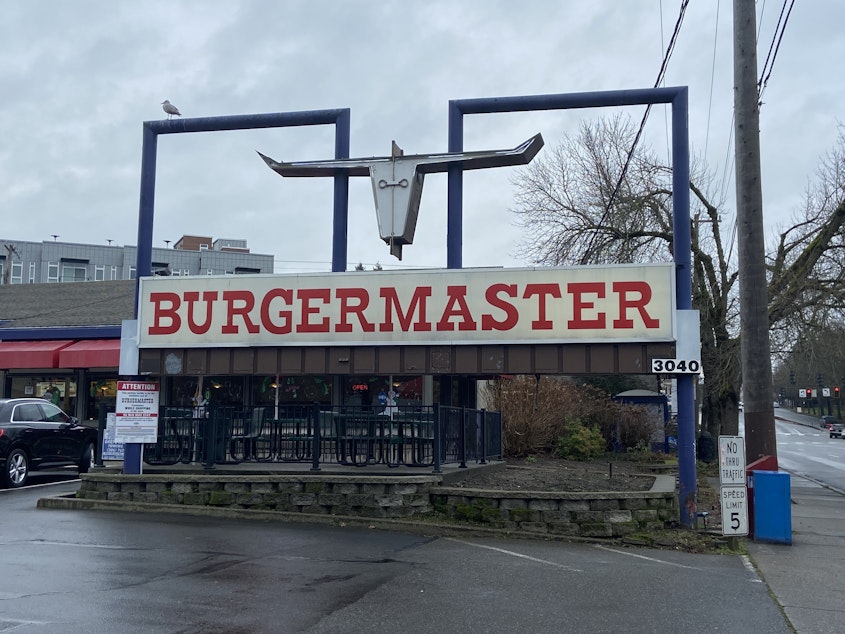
(758, 391)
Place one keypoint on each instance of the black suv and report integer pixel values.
(35, 434)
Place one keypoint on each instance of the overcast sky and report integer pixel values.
(79, 78)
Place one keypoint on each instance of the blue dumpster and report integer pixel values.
(772, 510)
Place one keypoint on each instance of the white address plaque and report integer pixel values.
(675, 366)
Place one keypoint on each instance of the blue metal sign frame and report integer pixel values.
(678, 97)
(340, 118)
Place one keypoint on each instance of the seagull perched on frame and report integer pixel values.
(170, 109)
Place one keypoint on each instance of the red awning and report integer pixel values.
(91, 353)
(31, 354)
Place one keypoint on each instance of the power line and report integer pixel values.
(660, 75)
(712, 78)
(774, 47)
(665, 106)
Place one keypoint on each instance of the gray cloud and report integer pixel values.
(79, 79)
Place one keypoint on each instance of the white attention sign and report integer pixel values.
(733, 492)
(136, 412)
(633, 303)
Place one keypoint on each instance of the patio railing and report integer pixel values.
(414, 436)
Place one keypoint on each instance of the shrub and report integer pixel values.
(580, 442)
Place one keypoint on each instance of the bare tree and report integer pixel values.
(563, 204)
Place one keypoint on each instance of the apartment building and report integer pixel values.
(23, 262)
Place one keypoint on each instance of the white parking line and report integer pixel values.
(515, 554)
(38, 486)
(652, 559)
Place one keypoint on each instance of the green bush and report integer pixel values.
(580, 442)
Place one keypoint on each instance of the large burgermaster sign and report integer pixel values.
(433, 307)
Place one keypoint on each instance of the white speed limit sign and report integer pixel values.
(734, 510)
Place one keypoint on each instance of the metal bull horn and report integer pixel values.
(398, 180)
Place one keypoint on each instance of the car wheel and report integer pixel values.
(88, 459)
(17, 469)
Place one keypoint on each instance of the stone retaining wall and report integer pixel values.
(325, 495)
(611, 514)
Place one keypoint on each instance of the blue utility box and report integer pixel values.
(772, 507)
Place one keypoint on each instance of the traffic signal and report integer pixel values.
(809, 392)
(836, 392)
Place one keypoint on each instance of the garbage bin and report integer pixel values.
(705, 449)
(764, 463)
(772, 511)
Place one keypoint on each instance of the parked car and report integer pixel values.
(836, 430)
(826, 421)
(35, 434)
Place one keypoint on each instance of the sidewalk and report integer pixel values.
(808, 577)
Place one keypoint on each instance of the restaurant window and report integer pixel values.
(17, 273)
(101, 390)
(409, 390)
(52, 271)
(59, 390)
(206, 391)
(99, 273)
(373, 391)
(226, 391)
(182, 391)
(114, 272)
(32, 272)
(291, 390)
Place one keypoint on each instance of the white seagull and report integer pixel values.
(170, 109)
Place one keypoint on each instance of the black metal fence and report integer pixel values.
(415, 436)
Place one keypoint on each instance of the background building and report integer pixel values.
(23, 262)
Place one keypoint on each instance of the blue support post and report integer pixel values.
(682, 245)
(146, 208)
(132, 456)
(455, 193)
(341, 195)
